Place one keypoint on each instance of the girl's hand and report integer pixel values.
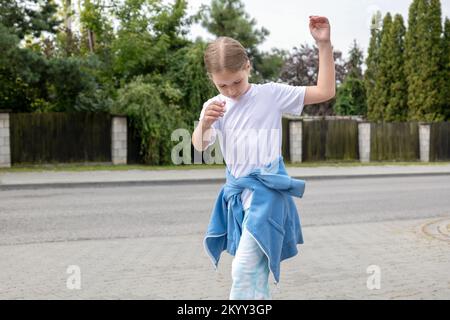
(213, 112)
(320, 28)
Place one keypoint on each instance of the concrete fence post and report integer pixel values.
(119, 140)
(364, 141)
(295, 141)
(5, 146)
(424, 141)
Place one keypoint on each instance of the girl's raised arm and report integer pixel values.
(326, 80)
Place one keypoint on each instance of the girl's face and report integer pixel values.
(232, 84)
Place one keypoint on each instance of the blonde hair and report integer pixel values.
(225, 54)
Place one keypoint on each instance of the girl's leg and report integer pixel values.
(262, 290)
(250, 270)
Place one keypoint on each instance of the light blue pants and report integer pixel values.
(249, 270)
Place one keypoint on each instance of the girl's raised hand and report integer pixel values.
(320, 28)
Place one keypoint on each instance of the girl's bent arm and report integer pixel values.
(326, 80)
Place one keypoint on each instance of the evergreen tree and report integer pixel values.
(446, 68)
(382, 80)
(351, 95)
(25, 17)
(437, 80)
(229, 18)
(355, 60)
(351, 98)
(396, 86)
(412, 55)
(372, 62)
(423, 58)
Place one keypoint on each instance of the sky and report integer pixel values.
(287, 20)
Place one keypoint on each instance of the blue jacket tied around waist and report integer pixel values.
(273, 219)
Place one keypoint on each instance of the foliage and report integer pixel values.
(423, 60)
(351, 95)
(372, 63)
(154, 112)
(24, 17)
(301, 68)
(229, 18)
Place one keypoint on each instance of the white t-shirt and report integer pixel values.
(250, 132)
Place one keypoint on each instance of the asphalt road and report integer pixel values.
(48, 215)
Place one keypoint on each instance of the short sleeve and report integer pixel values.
(289, 99)
(214, 126)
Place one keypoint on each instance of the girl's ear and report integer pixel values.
(247, 67)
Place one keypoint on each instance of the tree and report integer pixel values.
(354, 63)
(228, 18)
(150, 32)
(82, 69)
(437, 59)
(154, 112)
(67, 42)
(188, 73)
(12, 89)
(301, 68)
(372, 62)
(446, 68)
(390, 83)
(423, 58)
(25, 17)
(382, 82)
(268, 65)
(35, 82)
(351, 98)
(351, 95)
(396, 108)
(95, 26)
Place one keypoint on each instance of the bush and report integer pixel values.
(153, 111)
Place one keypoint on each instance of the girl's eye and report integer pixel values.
(224, 85)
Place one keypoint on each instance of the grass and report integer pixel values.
(110, 167)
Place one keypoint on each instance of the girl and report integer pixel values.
(254, 217)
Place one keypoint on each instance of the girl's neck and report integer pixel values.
(248, 88)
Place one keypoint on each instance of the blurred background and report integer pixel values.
(144, 59)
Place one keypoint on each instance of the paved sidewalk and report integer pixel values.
(9, 180)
